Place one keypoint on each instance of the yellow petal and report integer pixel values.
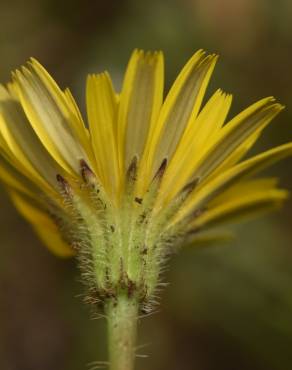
(77, 122)
(68, 106)
(243, 188)
(208, 123)
(50, 115)
(237, 154)
(140, 104)
(235, 132)
(24, 148)
(43, 226)
(207, 191)
(195, 143)
(14, 180)
(102, 110)
(247, 204)
(180, 108)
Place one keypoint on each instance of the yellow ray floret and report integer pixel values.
(51, 117)
(250, 198)
(179, 110)
(140, 104)
(22, 145)
(102, 109)
(43, 226)
(205, 192)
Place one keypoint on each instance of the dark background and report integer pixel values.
(227, 307)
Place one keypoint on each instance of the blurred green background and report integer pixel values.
(227, 307)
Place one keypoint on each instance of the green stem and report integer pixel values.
(122, 316)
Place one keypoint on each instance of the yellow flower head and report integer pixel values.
(144, 175)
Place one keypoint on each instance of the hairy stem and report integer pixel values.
(122, 316)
